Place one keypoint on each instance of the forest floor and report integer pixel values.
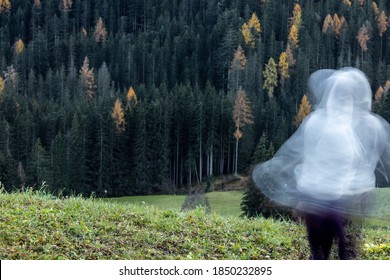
(38, 226)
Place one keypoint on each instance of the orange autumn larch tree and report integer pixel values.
(335, 24)
(363, 37)
(87, 78)
(118, 115)
(303, 111)
(338, 24)
(383, 23)
(101, 33)
(327, 24)
(236, 67)
(5, 6)
(380, 92)
(242, 115)
(131, 98)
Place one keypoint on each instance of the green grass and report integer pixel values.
(221, 203)
(172, 202)
(38, 226)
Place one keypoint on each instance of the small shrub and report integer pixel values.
(196, 198)
(254, 203)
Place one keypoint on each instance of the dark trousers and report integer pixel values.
(322, 229)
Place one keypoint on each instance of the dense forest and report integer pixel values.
(128, 97)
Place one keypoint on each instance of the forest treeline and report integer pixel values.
(152, 96)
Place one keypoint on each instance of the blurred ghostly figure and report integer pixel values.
(330, 166)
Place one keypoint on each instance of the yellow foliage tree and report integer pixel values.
(297, 16)
(303, 111)
(293, 35)
(118, 115)
(19, 46)
(131, 97)
(88, 79)
(283, 66)
(270, 74)
(101, 33)
(5, 6)
(295, 23)
(247, 35)
(375, 8)
(2, 86)
(250, 30)
(254, 23)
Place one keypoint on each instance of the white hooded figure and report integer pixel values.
(338, 155)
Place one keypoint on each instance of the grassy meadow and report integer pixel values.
(221, 203)
(34, 225)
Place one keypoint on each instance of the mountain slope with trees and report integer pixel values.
(137, 97)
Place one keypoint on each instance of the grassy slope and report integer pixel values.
(35, 226)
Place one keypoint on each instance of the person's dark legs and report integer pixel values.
(331, 228)
(339, 226)
(327, 236)
(322, 230)
(313, 227)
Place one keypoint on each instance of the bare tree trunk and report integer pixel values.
(208, 164)
(181, 173)
(236, 158)
(7, 150)
(177, 161)
(211, 162)
(189, 176)
(228, 169)
(221, 157)
(196, 174)
(200, 158)
(100, 187)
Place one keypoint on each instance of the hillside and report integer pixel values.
(38, 226)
